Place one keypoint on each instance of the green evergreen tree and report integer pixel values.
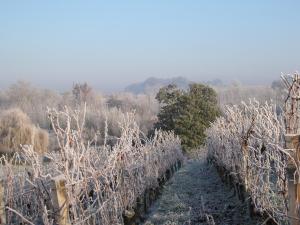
(188, 113)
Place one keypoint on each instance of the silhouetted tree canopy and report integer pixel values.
(81, 92)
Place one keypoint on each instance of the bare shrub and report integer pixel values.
(109, 113)
(16, 130)
(34, 102)
(145, 107)
(235, 93)
(31, 100)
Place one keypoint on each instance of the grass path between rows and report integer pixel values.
(196, 195)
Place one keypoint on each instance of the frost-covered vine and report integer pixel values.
(247, 142)
(102, 182)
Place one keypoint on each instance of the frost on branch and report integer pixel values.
(248, 143)
(101, 182)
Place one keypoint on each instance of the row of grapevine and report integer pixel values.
(101, 183)
(247, 143)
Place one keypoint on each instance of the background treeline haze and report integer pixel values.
(105, 111)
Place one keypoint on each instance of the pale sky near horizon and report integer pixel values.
(111, 44)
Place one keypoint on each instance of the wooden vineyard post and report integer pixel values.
(2, 204)
(245, 163)
(60, 200)
(292, 142)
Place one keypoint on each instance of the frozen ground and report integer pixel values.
(196, 195)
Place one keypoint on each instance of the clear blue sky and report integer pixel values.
(113, 43)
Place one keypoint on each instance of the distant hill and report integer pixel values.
(152, 85)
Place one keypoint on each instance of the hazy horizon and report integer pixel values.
(113, 44)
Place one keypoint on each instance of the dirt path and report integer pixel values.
(195, 195)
